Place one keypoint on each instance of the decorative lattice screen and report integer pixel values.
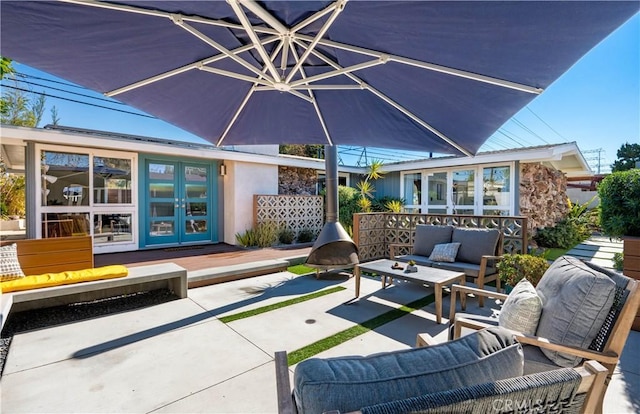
(373, 232)
(295, 212)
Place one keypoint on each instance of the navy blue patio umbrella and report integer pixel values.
(416, 75)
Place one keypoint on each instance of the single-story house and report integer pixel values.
(131, 192)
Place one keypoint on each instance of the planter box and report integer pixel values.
(632, 266)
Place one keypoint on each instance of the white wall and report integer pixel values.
(242, 181)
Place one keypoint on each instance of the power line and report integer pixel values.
(72, 93)
(25, 75)
(80, 102)
(542, 120)
(529, 130)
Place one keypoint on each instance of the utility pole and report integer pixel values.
(598, 158)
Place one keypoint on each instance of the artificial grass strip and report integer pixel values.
(301, 269)
(322, 345)
(274, 306)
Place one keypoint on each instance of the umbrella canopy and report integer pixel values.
(417, 75)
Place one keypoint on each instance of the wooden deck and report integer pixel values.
(200, 257)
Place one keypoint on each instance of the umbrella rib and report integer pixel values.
(338, 72)
(254, 37)
(195, 32)
(424, 65)
(314, 101)
(235, 75)
(393, 103)
(244, 103)
(313, 18)
(264, 15)
(340, 4)
(166, 15)
(185, 68)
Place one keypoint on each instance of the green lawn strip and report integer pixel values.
(322, 345)
(553, 253)
(301, 269)
(274, 306)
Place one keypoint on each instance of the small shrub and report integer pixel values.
(618, 261)
(263, 235)
(564, 235)
(305, 236)
(286, 235)
(247, 239)
(347, 205)
(620, 203)
(515, 267)
(387, 203)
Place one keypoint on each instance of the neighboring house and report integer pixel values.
(133, 192)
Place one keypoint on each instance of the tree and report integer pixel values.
(12, 201)
(311, 151)
(5, 67)
(628, 157)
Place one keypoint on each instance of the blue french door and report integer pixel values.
(178, 202)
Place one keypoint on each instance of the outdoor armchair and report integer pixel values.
(567, 334)
(476, 374)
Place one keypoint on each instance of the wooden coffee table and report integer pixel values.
(425, 274)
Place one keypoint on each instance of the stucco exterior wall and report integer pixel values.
(242, 181)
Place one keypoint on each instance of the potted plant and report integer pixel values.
(515, 267)
(620, 217)
(411, 267)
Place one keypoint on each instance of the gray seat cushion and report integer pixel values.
(421, 260)
(349, 383)
(576, 299)
(428, 235)
(475, 243)
(469, 269)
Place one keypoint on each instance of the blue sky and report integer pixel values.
(596, 103)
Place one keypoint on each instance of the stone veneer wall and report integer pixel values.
(296, 181)
(543, 195)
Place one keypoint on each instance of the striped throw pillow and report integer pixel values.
(9, 265)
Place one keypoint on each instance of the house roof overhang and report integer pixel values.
(565, 157)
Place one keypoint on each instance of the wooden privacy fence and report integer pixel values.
(373, 232)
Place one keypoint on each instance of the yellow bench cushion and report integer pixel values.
(64, 278)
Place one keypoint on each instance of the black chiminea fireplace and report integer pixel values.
(333, 248)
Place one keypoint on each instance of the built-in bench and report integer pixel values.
(51, 258)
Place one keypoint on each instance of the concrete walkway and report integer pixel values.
(597, 249)
(178, 357)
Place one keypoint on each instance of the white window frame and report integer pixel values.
(478, 206)
(93, 208)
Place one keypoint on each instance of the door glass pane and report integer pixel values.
(162, 209)
(495, 186)
(161, 171)
(463, 188)
(161, 190)
(196, 190)
(192, 173)
(438, 210)
(109, 228)
(437, 188)
(196, 209)
(412, 189)
(192, 225)
(111, 180)
(161, 228)
(64, 179)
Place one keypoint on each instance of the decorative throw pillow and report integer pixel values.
(445, 252)
(9, 265)
(521, 311)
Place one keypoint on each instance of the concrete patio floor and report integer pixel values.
(178, 357)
